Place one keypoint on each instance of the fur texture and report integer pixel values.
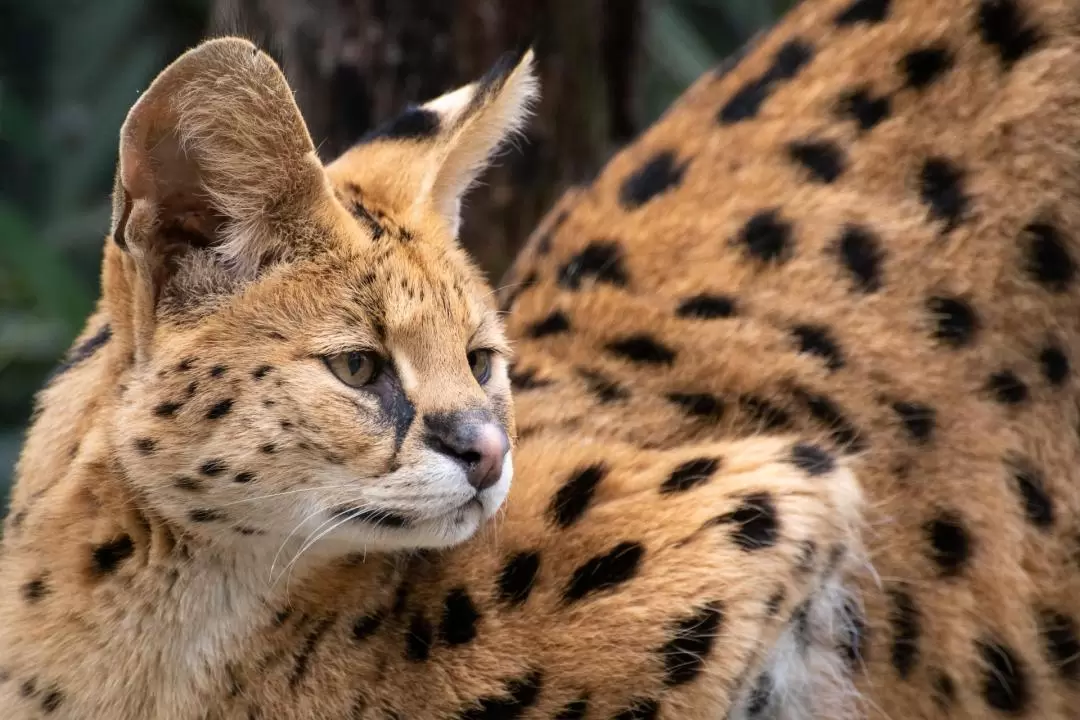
(851, 255)
(208, 523)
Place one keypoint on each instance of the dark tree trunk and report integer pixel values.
(356, 63)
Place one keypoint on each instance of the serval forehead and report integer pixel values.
(403, 284)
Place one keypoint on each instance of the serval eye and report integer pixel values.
(356, 368)
(480, 363)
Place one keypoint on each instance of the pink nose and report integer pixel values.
(474, 439)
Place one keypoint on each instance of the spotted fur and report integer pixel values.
(840, 269)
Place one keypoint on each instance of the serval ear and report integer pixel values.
(427, 158)
(216, 161)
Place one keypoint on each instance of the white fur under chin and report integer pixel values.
(446, 510)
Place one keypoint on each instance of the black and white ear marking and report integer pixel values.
(437, 150)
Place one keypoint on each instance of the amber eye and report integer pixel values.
(480, 363)
(356, 368)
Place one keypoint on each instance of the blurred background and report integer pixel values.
(70, 69)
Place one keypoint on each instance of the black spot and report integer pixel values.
(260, 372)
(218, 370)
(520, 695)
(108, 556)
(755, 520)
(864, 108)
(82, 352)
(167, 409)
(767, 237)
(1049, 262)
(789, 60)
(1038, 505)
(573, 498)
(919, 420)
(367, 219)
(187, 484)
(397, 406)
(35, 590)
(367, 625)
(658, 175)
(860, 252)
(268, 448)
(852, 644)
(1002, 26)
(185, 365)
(414, 124)
(863, 11)
(28, 688)
(706, 307)
(605, 389)
(747, 101)
(601, 260)
(244, 477)
(826, 411)
(1055, 364)
(459, 618)
(759, 696)
(573, 710)
(52, 701)
(955, 320)
(640, 709)
(950, 543)
(213, 468)
(311, 643)
(764, 413)
(824, 160)
(1007, 388)
(219, 410)
(944, 689)
(812, 459)
(941, 189)
(690, 474)
(816, 340)
(1062, 643)
(605, 571)
(418, 638)
(922, 67)
(555, 323)
(372, 516)
(642, 349)
(700, 405)
(518, 576)
(691, 643)
(1005, 680)
(205, 515)
(527, 380)
(775, 602)
(145, 446)
(905, 622)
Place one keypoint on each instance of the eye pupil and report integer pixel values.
(480, 364)
(356, 368)
(356, 362)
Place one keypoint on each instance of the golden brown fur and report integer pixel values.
(963, 433)
(208, 523)
(861, 236)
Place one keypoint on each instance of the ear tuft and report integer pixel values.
(479, 118)
(427, 158)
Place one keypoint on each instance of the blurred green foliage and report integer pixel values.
(70, 69)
